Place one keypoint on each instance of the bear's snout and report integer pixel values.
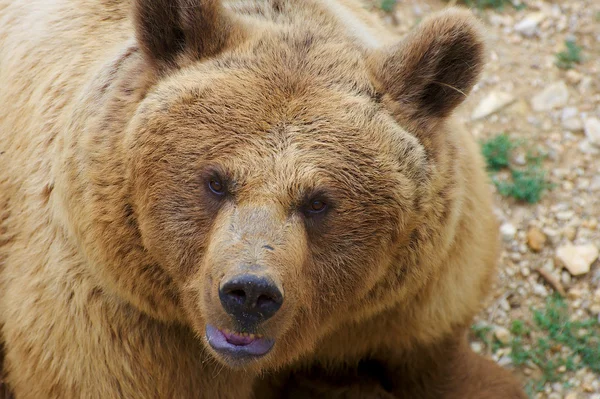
(250, 299)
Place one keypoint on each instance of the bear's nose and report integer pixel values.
(251, 299)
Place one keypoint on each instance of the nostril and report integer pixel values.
(238, 295)
(264, 301)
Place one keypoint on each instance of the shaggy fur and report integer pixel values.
(115, 116)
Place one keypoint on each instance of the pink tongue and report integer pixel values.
(238, 340)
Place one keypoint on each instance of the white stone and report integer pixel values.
(528, 25)
(585, 85)
(520, 159)
(595, 184)
(502, 334)
(540, 290)
(577, 259)
(477, 347)
(573, 124)
(553, 96)
(568, 112)
(565, 215)
(571, 120)
(573, 76)
(565, 277)
(586, 147)
(505, 361)
(494, 102)
(592, 130)
(505, 305)
(508, 231)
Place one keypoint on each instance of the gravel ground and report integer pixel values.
(551, 245)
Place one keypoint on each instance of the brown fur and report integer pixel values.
(112, 247)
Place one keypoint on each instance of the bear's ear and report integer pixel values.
(168, 30)
(430, 73)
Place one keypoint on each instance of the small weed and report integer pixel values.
(388, 5)
(520, 6)
(570, 56)
(482, 332)
(518, 328)
(567, 344)
(496, 4)
(497, 151)
(525, 184)
(561, 344)
(581, 337)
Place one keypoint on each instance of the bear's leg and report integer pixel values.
(315, 381)
(450, 370)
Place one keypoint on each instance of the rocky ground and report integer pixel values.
(552, 245)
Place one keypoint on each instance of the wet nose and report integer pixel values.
(251, 299)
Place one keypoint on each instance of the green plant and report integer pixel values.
(482, 332)
(570, 56)
(582, 337)
(518, 328)
(525, 185)
(497, 151)
(496, 4)
(553, 343)
(388, 5)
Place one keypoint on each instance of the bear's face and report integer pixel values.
(274, 181)
(276, 177)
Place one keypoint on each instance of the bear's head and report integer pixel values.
(276, 169)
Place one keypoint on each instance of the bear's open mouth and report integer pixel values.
(237, 345)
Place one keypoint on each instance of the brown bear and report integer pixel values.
(234, 199)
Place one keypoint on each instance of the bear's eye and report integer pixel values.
(317, 206)
(216, 186)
